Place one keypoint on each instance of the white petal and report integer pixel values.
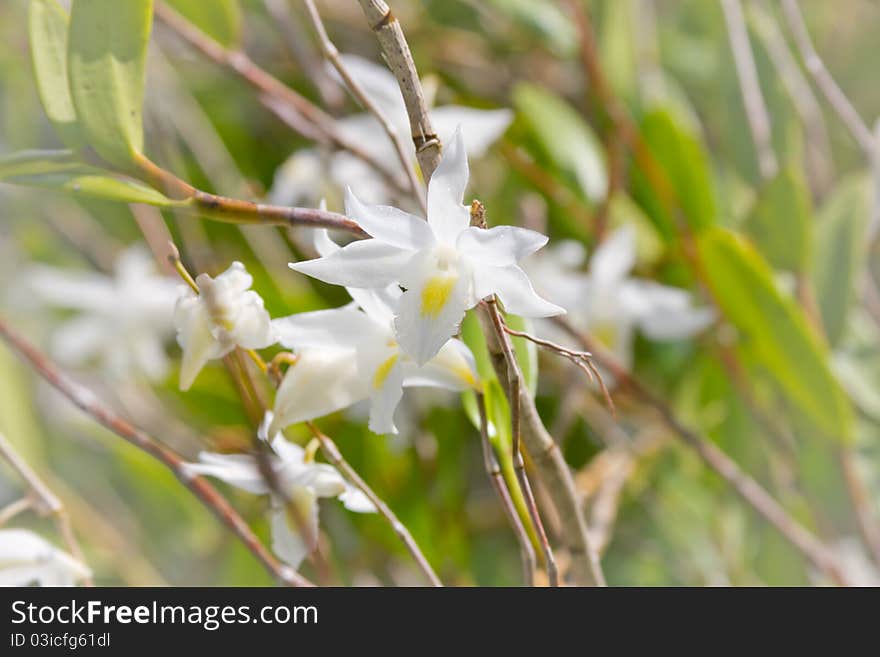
(381, 86)
(195, 338)
(480, 128)
(337, 328)
(323, 479)
(26, 557)
(252, 328)
(446, 214)
(453, 368)
(515, 290)
(298, 179)
(365, 263)
(239, 470)
(431, 309)
(323, 243)
(295, 537)
(354, 500)
(385, 394)
(71, 289)
(379, 305)
(615, 257)
(388, 224)
(501, 245)
(80, 339)
(322, 381)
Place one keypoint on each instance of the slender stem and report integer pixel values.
(12, 509)
(397, 53)
(746, 487)
(88, 402)
(827, 85)
(750, 87)
(331, 451)
(493, 469)
(46, 501)
(292, 108)
(360, 94)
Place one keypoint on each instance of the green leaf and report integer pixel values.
(781, 222)
(774, 332)
(219, 19)
(47, 28)
(56, 170)
(565, 138)
(684, 165)
(840, 252)
(617, 46)
(544, 20)
(106, 58)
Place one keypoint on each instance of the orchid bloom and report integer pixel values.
(348, 354)
(300, 479)
(123, 320)
(26, 558)
(224, 314)
(300, 179)
(611, 304)
(445, 265)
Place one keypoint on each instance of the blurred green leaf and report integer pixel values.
(543, 19)
(781, 222)
(219, 19)
(774, 331)
(106, 59)
(47, 28)
(618, 47)
(840, 252)
(684, 164)
(565, 138)
(56, 170)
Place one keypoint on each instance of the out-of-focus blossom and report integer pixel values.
(608, 302)
(26, 558)
(301, 480)
(348, 354)
(300, 180)
(445, 265)
(122, 321)
(225, 313)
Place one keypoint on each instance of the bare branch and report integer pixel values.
(397, 54)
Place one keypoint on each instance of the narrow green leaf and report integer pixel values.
(685, 165)
(47, 28)
(106, 58)
(543, 19)
(841, 252)
(781, 222)
(773, 331)
(565, 138)
(56, 170)
(219, 19)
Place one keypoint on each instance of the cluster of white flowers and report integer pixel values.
(294, 531)
(301, 180)
(608, 302)
(26, 559)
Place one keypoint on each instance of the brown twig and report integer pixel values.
(493, 469)
(331, 451)
(746, 487)
(396, 50)
(88, 402)
(332, 55)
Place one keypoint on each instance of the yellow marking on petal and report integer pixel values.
(465, 373)
(436, 293)
(383, 371)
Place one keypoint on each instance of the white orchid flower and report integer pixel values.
(123, 321)
(303, 482)
(349, 354)
(300, 180)
(445, 265)
(611, 304)
(225, 313)
(26, 558)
